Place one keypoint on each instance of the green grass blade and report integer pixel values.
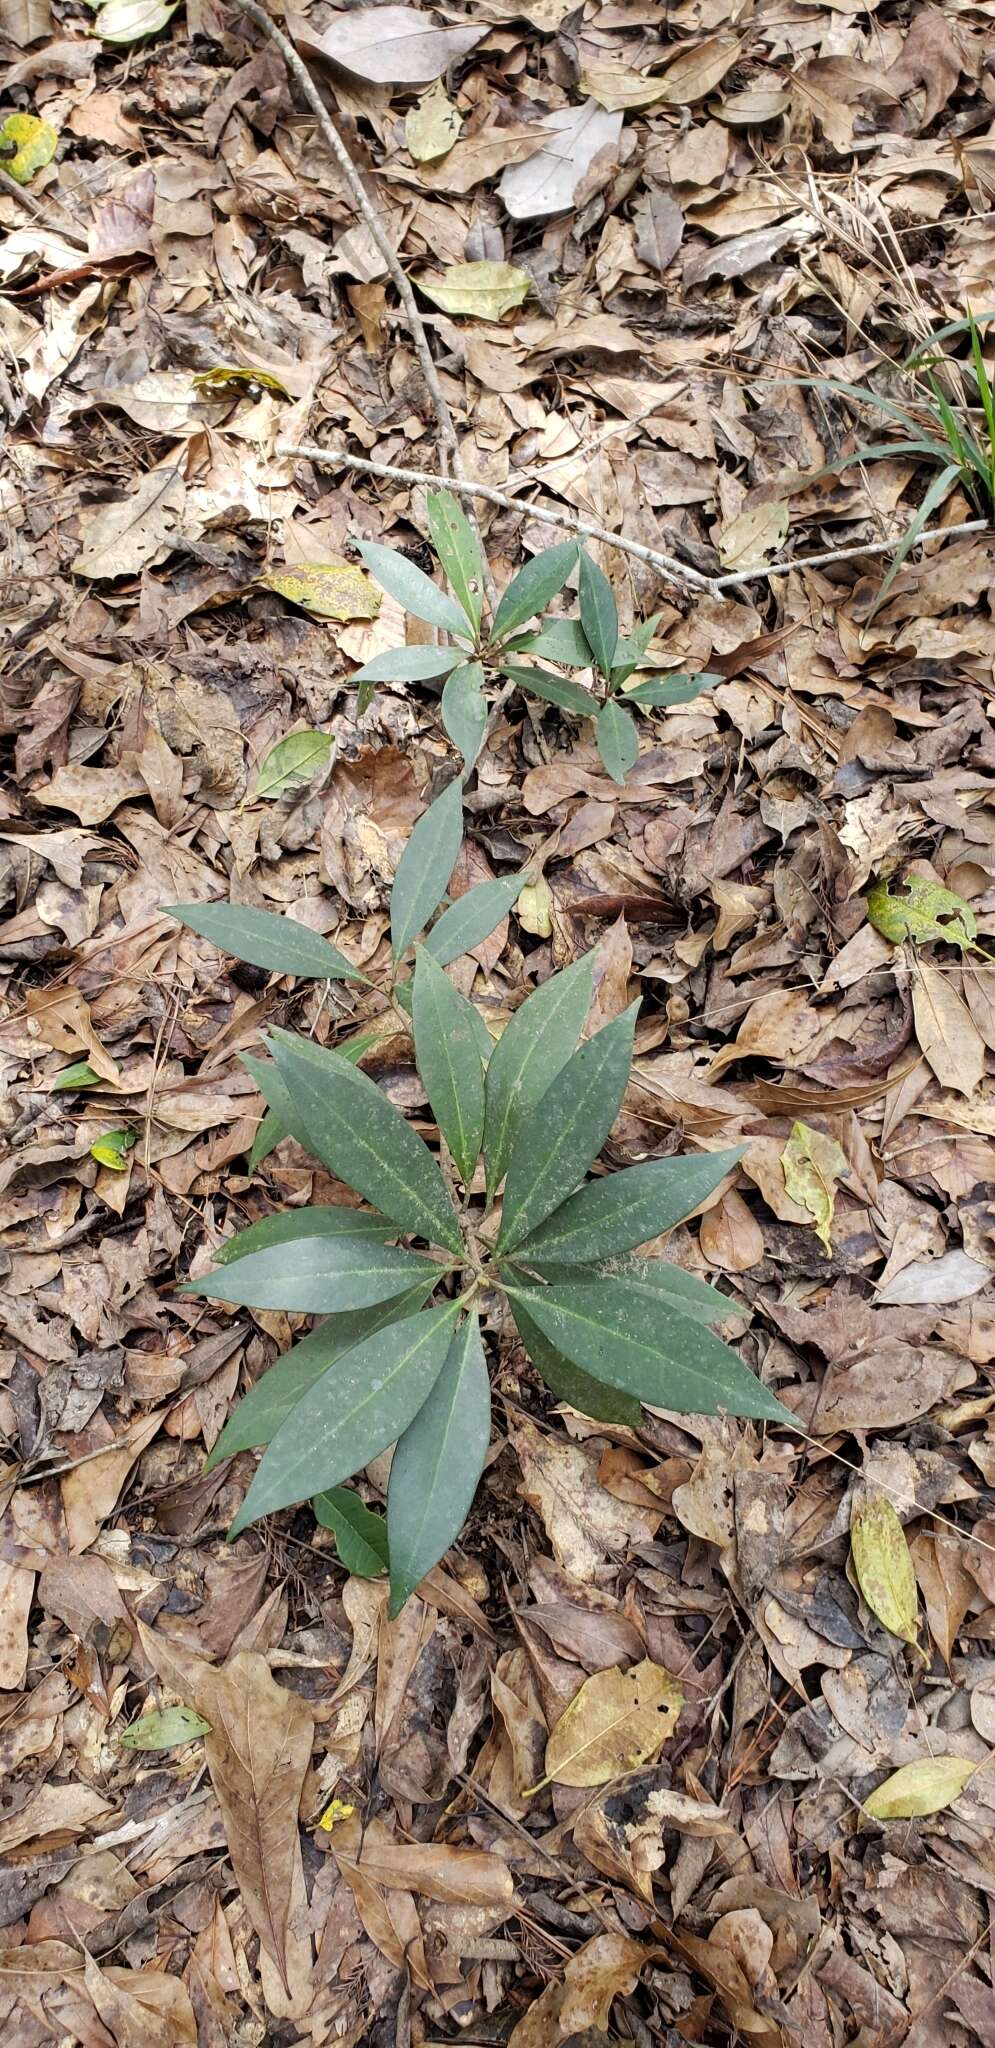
(936, 493)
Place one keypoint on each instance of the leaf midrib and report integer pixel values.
(385, 1166)
(563, 1138)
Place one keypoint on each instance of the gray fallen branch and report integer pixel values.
(870, 547)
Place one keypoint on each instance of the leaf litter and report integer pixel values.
(690, 1735)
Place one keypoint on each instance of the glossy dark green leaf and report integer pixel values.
(532, 1049)
(270, 1400)
(425, 866)
(559, 640)
(473, 917)
(458, 550)
(352, 1413)
(618, 739)
(315, 1276)
(566, 1380)
(79, 1075)
(270, 1134)
(448, 1061)
(341, 1116)
(265, 939)
(628, 1208)
(412, 588)
(464, 710)
(570, 696)
(664, 690)
(598, 613)
(534, 587)
(317, 1219)
(360, 1536)
(437, 1464)
(409, 665)
(556, 1145)
(643, 1345)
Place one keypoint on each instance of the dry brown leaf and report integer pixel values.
(946, 1031)
(606, 1968)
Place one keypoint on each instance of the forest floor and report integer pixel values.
(707, 206)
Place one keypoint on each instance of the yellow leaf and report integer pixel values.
(535, 907)
(237, 378)
(883, 1565)
(921, 1788)
(336, 1811)
(112, 1148)
(33, 144)
(479, 291)
(432, 126)
(331, 590)
(812, 1164)
(616, 1721)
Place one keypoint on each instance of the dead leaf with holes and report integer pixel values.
(617, 1720)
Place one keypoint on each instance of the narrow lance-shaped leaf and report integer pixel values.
(448, 1061)
(629, 653)
(598, 614)
(360, 1537)
(555, 1148)
(425, 866)
(340, 1115)
(318, 1219)
(618, 740)
(412, 588)
(267, 1404)
(566, 1380)
(265, 939)
(934, 496)
(270, 1133)
(458, 550)
(532, 1049)
(628, 1208)
(464, 710)
(559, 690)
(534, 587)
(559, 640)
(473, 917)
(409, 665)
(665, 690)
(646, 1348)
(352, 1413)
(437, 1464)
(315, 1275)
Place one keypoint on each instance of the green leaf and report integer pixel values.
(464, 710)
(473, 917)
(554, 1149)
(643, 1345)
(170, 1728)
(924, 348)
(342, 1117)
(530, 1053)
(651, 1277)
(312, 1275)
(558, 640)
(28, 145)
(588, 1395)
(266, 939)
(570, 696)
(412, 588)
(598, 614)
(425, 867)
(458, 550)
(293, 762)
(629, 653)
(352, 1413)
(111, 1149)
(437, 1464)
(318, 1219)
(270, 1134)
(534, 587)
(448, 1061)
(627, 1208)
(271, 1399)
(409, 665)
(618, 740)
(912, 907)
(664, 690)
(934, 496)
(360, 1536)
(79, 1075)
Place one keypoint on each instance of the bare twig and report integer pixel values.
(449, 453)
(869, 547)
(69, 233)
(336, 458)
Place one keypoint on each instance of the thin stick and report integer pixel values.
(335, 458)
(871, 547)
(31, 205)
(449, 445)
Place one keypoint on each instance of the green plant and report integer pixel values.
(955, 436)
(405, 1283)
(479, 652)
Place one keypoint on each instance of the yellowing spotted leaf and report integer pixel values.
(235, 378)
(916, 908)
(617, 1720)
(329, 590)
(534, 909)
(812, 1164)
(883, 1565)
(432, 126)
(921, 1788)
(478, 291)
(33, 144)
